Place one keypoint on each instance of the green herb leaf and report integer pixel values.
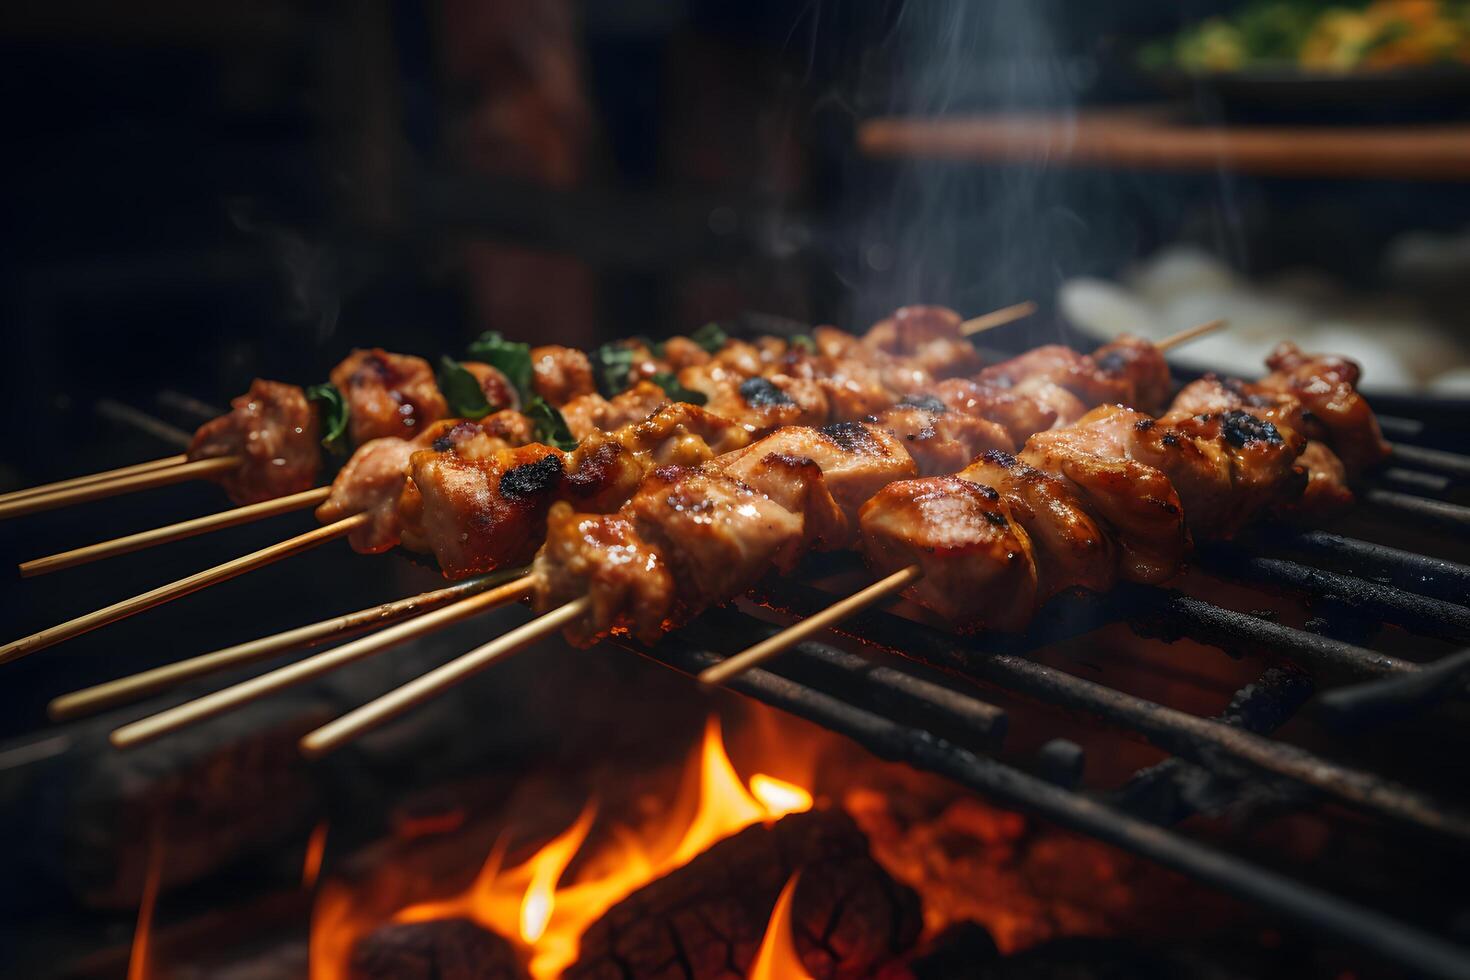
(462, 391)
(671, 386)
(612, 364)
(332, 408)
(512, 360)
(805, 342)
(711, 337)
(549, 426)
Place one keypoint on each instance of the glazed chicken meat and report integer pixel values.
(275, 431)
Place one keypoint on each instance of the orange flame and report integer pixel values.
(777, 958)
(530, 904)
(142, 933)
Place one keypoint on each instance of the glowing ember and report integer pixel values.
(316, 846)
(530, 904)
(777, 958)
(138, 955)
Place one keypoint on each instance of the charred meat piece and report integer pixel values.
(388, 394)
(977, 560)
(940, 441)
(1337, 414)
(927, 336)
(590, 413)
(275, 431)
(1140, 366)
(601, 556)
(760, 403)
(559, 374)
(476, 515)
(1073, 551)
(855, 458)
(1061, 366)
(1019, 415)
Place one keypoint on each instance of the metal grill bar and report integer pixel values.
(1200, 740)
(1407, 570)
(1435, 513)
(1372, 930)
(1433, 460)
(1420, 614)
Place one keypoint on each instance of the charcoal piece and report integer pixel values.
(706, 919)
(956, 952)
(442, 949)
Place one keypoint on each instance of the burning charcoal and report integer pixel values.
(706, 919)
(442, 949)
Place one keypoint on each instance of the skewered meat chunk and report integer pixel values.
(499, 392)
(1141, 366)
(681, 352)
(1072, 550)
(560, 374)
(373, 479)
(897, 374)
(1338, 415)
(797, 484)
(479, 514)
(1326, 492)
(941, 441)
(929, 336)
(601, 556)
(1061, 366)
(590, 413)
(762, 404)
(387, 394)
(275, 431)
(855, 458)
(977, 561)
(1020, 415)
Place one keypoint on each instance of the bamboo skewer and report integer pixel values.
(210, 705)
(174, 590)
(997, 318)
(361, 720)
(77, 481)
(174, 532)
(1186, 335)
(786, 639)
(198, 469)
(132, 688)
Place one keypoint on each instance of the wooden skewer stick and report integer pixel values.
(330, 736)
(175, 590)
(1184, 336)
(198, 469)
(786, 639)
(77, 481)
(101, 696)
(190, 712)
(997, 318)
(233, 517)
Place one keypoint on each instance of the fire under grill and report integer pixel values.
(923, 696)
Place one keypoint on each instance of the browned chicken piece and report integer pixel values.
(833, 342)
(590, 413)
(762, 404)
(606, 467)
(387, 394)
(1140, 366)
(476, 515)
(601, 556)
(717, 535)
(1019, 416)
(927, 336)
(681, 352)
(1136, 501)
(940, 441)
(559, 374)
(978, 567)
(1227, 469)
(798, 484)
(499, 392)
(856, 459)
(1061, 366)
(1073, 551)
(1337, 414)
(1326, 485)
(276, 432)
(372, 481)
(853, 388)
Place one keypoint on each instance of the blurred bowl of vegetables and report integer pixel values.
(1285, 55)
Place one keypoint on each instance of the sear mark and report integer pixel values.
(761, 393)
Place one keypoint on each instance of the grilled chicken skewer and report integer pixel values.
(1105, 499)
(480, 511)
